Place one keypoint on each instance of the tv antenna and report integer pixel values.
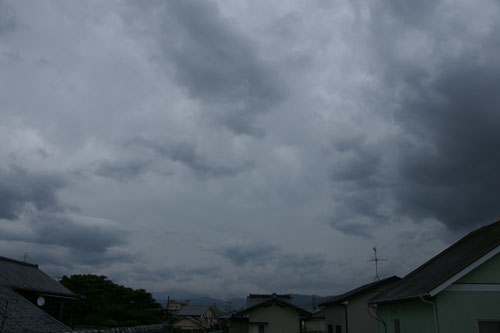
(376, 259)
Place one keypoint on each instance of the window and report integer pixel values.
(397, 328)
(338, 329)
(330, 329)
(488, 326)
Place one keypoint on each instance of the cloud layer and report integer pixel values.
(228, 148)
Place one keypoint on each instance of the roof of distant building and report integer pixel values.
(360, 290)
(196, 321)
(254, 299)
(447, 267)
(193, 310)
(270, 299)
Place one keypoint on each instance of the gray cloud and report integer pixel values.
(121, 170)
(7, 17)
(186, 153)
(82, 240)
(268, 268)
(217, 65)
(244, 253)
(81, 234)
(20, 188)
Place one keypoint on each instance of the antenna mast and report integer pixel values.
(376, 259)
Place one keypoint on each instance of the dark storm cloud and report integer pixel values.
(219, 66)
(85, 240)
(77, 235)
(452, 173)
(20, 188)
(243, 253)
(186, 153)
(444, 162)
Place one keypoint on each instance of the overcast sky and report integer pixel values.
(230, 147)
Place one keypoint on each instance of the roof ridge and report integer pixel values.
(18, 262)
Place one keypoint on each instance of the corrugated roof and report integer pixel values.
(445, 265)
(360, 290)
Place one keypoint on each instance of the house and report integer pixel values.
(190, 324)
(196, 318)
(456, 291)
(348, 312)
(173, 305)
(316, 323)
(269, 314)
(30, 300)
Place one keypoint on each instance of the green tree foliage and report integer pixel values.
(104, 302)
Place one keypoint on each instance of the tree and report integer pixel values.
(104, 302)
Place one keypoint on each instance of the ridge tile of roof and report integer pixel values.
(445, 265)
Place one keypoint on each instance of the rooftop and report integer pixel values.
(425, 279)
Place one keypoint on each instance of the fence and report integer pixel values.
(159, 328)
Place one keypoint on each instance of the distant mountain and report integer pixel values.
(304, 301)
(197, 299)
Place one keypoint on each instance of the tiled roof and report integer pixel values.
(21, 275)
(197, 322)
(23, 316)
(17, 314)
(445, 265)
(254, 299)
(278, 300)
(192, 310)
(360, 290)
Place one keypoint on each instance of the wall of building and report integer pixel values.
(460, 311)
(457, 311)
(279, 319)
(316, 325)
(334, 315)
(414, 317)
(238, 326)
(488, 272)
(358, 319)
(186, 324)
